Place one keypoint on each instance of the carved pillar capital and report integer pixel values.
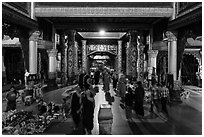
(83, 42)
(34, 36)
(52, 53)
(171, 35)
(152, 53)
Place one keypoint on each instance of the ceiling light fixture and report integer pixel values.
(102, 32)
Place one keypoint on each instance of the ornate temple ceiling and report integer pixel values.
(115, 16)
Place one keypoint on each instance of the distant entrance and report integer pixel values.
(102, 55)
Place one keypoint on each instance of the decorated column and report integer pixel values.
(52, 67)
(33, 52)
(119, 66)
(76, 58)
(128, 62)
(133, 54)
(71, 55)
(84, 56)
(152, 62)
(172, 53)
(63, 59)
(140, 61)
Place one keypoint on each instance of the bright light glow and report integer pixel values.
(102, 32)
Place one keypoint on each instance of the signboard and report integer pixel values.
(102, 48)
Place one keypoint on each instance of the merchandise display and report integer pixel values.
(25, 123)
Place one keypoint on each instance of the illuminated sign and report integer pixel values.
(102, 48)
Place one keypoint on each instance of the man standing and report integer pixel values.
(139, 99)
(164, 97)
(97, 76)
(80, 79)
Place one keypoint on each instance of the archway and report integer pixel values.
(101, 60)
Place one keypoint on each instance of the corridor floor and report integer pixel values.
(184, 118)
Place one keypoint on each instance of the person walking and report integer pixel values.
(122, 87)
(88, 105)
(139, 99)
(11, 97)
(115, 80)
(96, 76)
(106, 81)
(86, 81)
(154, 96)
(129, 103)
(65, 109)
(76, 107)
(164, 97)
(80, 79)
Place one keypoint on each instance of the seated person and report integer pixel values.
(42, 107)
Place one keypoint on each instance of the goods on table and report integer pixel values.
(25, 123)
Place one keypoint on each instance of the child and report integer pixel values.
(65, 108)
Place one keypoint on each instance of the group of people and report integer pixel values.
(134, 98)
(83, 102)
(160, 94)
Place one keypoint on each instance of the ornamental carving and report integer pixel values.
(172, 36)
(52, 53)
(84, 56)
(128, 59)
(70, 58)
(119, 56)
(140, 62)
(63, 59)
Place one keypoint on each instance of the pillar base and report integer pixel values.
(52, 79)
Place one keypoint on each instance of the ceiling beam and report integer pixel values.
(103, 12)
(111, 27)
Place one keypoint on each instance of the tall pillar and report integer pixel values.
(33, 52)
(128, 62)
(119, 66)
(76, 70)
(3, 68)
(145, 63)
(140, 62)
(52, 67)
(63, 59)
(71, 56)
(172, 53)
(133, 53)
(152, 61)
(84, 56)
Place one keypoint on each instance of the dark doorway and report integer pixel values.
(189, 69)
(14, 65)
